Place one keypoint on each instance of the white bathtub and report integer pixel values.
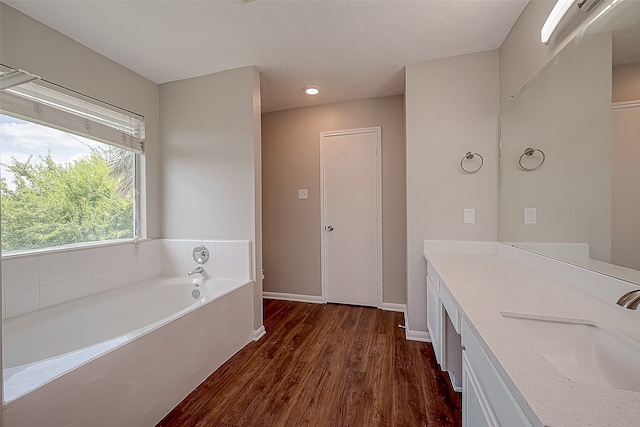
(123, 357)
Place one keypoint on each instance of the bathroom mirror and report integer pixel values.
(582, 110)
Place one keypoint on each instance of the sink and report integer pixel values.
(582, 351)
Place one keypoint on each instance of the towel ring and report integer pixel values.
(529, 152)
(469, 156)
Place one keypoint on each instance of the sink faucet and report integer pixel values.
(630, 300)
(195, 271)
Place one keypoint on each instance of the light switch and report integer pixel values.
(303, 194)
(530, 216)
(469, 216)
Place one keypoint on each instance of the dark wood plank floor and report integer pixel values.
(324, 365)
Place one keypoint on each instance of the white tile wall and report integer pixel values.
(80, 263)
(32, 282)
(54, 293)
(228, 259)
(123, 276)
(18, 276)
(103, 259)
(103, 281)
(123, 256)
(22, 301)
(53, 268)
(80, 286)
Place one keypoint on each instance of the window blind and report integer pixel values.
(71, 112)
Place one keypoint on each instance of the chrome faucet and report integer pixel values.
(195, 271)
(630, 300)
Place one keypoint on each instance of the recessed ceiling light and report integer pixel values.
(311, 90)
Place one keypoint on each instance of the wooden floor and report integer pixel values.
(324, 365)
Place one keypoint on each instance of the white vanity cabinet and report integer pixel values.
(486, 400)
(478, 288)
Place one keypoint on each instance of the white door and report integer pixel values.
(351, 217)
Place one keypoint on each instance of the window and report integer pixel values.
(67, 169)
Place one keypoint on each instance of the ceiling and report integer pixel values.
(350, 49)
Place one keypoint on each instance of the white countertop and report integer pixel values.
(485, 285)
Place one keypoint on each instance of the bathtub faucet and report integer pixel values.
(195, 271)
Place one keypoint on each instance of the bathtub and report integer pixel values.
(124, 357)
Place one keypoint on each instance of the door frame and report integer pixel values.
(377, 130)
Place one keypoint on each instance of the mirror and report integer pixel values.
(581, 116)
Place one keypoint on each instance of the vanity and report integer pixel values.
(527, 349)
(533, 331)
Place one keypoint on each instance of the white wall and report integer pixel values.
(210, 161)
(27, 44)
(451, 108)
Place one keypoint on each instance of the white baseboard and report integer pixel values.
(292, 297)
(417, 336)
(389, 306)
(259, 333)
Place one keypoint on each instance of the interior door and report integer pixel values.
(350, 207)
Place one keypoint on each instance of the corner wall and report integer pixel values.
(291, 161)
(210, 161)
(451, 108)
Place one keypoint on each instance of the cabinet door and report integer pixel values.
(475, 412)
(496, 401)
(434, 318)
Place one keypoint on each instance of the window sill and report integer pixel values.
(69, 248)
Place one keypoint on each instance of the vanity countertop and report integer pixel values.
(484, 285)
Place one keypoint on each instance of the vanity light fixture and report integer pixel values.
(556, 15)
(311, 90)
(587, 5)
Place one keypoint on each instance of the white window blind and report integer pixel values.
(53, 106)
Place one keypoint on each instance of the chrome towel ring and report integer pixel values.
(469, 156)
(529, 152)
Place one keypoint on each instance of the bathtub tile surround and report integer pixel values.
(34, 281)
(22, 301)
(228, 259)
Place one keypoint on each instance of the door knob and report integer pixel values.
(329, 228)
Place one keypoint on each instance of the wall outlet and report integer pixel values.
(303, 193)
(469, 216)
(530, 216)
